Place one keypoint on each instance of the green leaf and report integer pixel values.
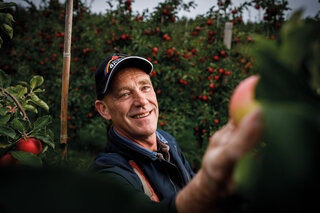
(42, 122)
(314, 66)
(8, 30)
(16, 124)
(4, 119)
(6, 18)
(39, 90)
(50, 133)
(27, 158)
(4, 110)
(243, 174)
(292, 133)
(35, 99)
(6, 5)
(23, 83)
(45, 138)
(18, 91)
(9, 18)
(36, 81)
(28, 107)
(5, 80)
(7, 131)
(274, 85)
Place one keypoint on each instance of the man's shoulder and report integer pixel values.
(114, 165)
(111, 159)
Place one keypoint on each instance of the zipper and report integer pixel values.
(164, 161)
(175, 189)
(184, 168)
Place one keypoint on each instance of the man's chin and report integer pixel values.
(145, 132)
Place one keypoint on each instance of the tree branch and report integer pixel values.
(25, 117)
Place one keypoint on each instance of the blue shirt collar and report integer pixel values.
(154, 154)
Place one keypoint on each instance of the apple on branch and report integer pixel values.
(7, 160)
(29, 144)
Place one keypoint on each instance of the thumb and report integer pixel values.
(247, 134)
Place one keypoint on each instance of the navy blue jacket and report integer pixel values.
(165, 177)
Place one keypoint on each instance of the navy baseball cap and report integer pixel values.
(113, 63)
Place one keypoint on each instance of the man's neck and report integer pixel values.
(149, 142)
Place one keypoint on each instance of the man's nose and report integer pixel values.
(140, 99)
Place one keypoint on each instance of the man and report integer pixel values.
(150, 160)
(127, 98)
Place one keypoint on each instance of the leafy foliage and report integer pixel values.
(6, 20)
(287, 164)
(15, 102)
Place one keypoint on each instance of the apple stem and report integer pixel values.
(25, 117)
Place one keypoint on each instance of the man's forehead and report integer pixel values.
(128, 76)
(128, 73)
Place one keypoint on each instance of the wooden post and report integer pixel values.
(65, 78)
(227, 34)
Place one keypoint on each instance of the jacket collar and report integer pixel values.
(123, 143)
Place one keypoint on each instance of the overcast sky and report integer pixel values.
(311, 7)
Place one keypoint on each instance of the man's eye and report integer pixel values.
(145, 87)
(124, 95)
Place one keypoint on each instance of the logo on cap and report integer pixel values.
(113, 62)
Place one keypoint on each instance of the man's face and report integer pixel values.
(132, 104)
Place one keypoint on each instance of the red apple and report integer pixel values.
(7, 160)
(243, 99)
(29, 144)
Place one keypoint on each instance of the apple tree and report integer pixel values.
(22, 130)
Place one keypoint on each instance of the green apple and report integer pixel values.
(243, 99)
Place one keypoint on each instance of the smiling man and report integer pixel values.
(132, 106)
(149, 161)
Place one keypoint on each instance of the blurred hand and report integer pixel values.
(213, 182)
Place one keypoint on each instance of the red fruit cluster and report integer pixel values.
(128, 5)
(211, 69)
(29, 144)
(184, 82)
(155, 49)
(167, 11)
(139, 18)
(153, 73)
(62, 14)
(148, 32)
(223, 53)
(209, 22)
(166, 37)
(212, 36)
(270, 14)
(194, 33)
(171, 52)
(85, 50)
(58, 35)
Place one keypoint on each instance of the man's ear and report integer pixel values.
(103, 109)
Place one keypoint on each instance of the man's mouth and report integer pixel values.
(142, 115)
